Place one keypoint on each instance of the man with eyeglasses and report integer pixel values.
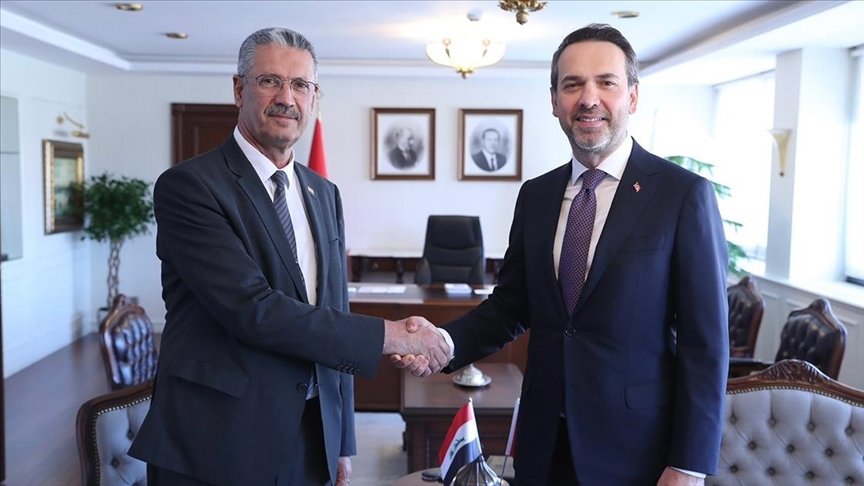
(255, 378)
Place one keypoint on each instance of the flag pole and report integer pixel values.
(511, 438)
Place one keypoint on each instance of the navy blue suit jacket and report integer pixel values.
(640, 368)
(240, 339)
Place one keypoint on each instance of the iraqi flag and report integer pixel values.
(317, 160)
(461, 445)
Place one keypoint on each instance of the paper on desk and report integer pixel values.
(381, 289)
(485, 290)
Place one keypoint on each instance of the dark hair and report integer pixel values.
(273, 35)
(602, 33)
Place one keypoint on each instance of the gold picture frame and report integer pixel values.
(403, 143)
(64, 184)
(490, 145)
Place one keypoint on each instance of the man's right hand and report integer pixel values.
(418, 338)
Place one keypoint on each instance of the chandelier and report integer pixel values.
(521, 8)
(466, 53)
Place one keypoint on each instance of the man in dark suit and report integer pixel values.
(617, 265)
(255, 381)
(403, 155)
(488, 157)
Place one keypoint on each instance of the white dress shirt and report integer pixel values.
(265, 169)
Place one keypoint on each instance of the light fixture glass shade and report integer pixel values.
(465, 54)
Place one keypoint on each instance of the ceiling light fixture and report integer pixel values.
(625, 14)
(177, 35)
(466, 53)
(129, 7)
(521, 8)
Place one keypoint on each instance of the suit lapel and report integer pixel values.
(251, 185)
(550, 196)
(315, 214)
(627, 207)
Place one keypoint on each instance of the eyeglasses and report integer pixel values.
(273, 84)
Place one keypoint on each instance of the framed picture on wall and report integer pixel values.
(403, 143)
(64, 184)
(490, 145)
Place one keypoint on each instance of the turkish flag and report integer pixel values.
(317, 161)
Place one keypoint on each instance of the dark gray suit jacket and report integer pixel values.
(240, 339)
(640, 367)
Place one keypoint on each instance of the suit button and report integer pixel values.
(569, 331)
(302, 387)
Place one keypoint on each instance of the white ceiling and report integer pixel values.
(700, 42)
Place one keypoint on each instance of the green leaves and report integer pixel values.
(736, 252)
(116, 208)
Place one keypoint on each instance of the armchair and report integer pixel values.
(813, 334)
(128, 345)
(745, 316)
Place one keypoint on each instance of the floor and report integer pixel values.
(43, 399)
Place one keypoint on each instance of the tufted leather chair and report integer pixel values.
(745, 317)
(128, 347)
(105, 428)
(791, 425)
(812, 334)
(453, 252)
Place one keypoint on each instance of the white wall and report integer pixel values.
(46, 292)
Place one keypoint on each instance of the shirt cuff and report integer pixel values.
(449, 341)
(690, 473)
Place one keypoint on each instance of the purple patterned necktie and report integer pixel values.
(577, 239)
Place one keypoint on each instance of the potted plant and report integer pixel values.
(116, 209)
(736, 252)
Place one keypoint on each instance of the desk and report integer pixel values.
(429, 405)
(383, 393)
(398, 262)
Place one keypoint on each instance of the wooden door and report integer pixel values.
(197, 128)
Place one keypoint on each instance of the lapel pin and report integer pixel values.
(311, 191)
(637, 187)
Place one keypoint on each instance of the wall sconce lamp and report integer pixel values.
(781, 142)
(80, 132)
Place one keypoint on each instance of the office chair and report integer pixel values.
(453, 252)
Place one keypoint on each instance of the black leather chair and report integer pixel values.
(813, 334)
(105, 427)
(453, 252)
(745, 316)
(128, 344)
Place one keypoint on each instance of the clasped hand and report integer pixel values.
(415, 343)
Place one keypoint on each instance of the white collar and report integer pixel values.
(264, 167)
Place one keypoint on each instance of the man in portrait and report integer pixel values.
(489, 158)
(403, 155)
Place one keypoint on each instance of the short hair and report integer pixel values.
(276, 36)
(490, 129)
(602, 33)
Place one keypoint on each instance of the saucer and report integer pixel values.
(486, 380)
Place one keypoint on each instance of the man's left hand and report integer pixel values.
(343, 471)
(673, 477)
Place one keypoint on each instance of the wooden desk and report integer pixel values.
(429, 405)
(383, 393)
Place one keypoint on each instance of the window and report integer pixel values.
(744, 113)
(855, 177)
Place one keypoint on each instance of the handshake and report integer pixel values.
(416, 344)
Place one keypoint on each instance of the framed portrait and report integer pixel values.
(64, 186)
(490, 145)
(403, 143)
